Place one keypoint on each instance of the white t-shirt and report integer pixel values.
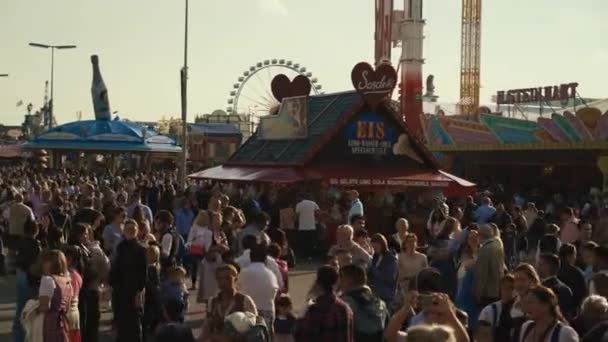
(259, 283)
(165, 244)
(245, 260)
(200, 237)
(306, 215)
(47, 287)
(566, 333)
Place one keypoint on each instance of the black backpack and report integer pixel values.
(171, 260)
(503, 324)
(87, 271)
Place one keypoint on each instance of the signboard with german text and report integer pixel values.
(371, 137)
(370, 134)
(562, 93)
(386, 182)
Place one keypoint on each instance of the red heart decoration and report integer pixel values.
(282, 87)
(374, 85)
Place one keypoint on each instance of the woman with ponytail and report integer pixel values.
(546, 324)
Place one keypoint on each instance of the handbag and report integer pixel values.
(196, 250)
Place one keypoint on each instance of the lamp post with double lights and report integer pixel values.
(52, 47)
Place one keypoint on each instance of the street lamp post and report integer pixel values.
(184, 97)
(52, 47)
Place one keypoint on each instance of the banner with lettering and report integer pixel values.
(370, 134)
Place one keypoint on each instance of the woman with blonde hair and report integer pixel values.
(215, 246)
(402, 226)
(55, 296)
(430, 333)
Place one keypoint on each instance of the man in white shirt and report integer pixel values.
(259, 283)
(249, 243)
(356, 207)
(307, 212)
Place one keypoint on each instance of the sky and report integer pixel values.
(140, 44)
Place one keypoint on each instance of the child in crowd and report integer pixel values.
(152, 310)
(285, 321)
(74, 258)
(274, 251)
(174, 288)
(174, 330)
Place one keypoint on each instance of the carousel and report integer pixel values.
(104, 142)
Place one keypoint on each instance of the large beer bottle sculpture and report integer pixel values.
(101, 104)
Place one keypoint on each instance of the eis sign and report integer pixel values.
(370, 134)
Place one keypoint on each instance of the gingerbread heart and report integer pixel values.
(374, 85)
(282, 87)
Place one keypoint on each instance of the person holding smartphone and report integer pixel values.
(436, 308)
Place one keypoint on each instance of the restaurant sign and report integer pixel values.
(385, 182)
(562, 93)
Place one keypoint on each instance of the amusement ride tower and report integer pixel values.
(407, 27)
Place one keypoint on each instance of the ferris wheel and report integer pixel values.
(252, 95)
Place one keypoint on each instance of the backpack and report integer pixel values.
(502, 323)
(554, 337)
(171, 260)
(370, 313)
(258, 333)
(88, 272)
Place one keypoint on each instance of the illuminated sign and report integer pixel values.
(561, 93)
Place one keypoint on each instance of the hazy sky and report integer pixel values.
(524, 43)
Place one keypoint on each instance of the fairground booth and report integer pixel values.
(347, 140)
(568, 143)
(111, 144)
(105, 142)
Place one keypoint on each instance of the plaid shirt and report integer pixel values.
(329, 319)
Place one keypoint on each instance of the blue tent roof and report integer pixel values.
(216, 129)
(104, 135)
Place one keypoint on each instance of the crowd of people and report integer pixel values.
(142, 246)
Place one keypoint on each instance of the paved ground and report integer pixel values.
(300, 282)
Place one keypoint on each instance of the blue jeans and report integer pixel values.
(24, 293)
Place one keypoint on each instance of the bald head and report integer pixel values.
(486, 232)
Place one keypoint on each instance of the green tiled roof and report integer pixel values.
(323, 113)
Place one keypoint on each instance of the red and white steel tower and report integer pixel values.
(406, 28)
(384, 29)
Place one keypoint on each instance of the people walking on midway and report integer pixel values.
(307, 212)
(489, 267)
(546, 322)
(55, 296)
(27, 252)
(128, 277)
(327, 318)
(356, 206)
